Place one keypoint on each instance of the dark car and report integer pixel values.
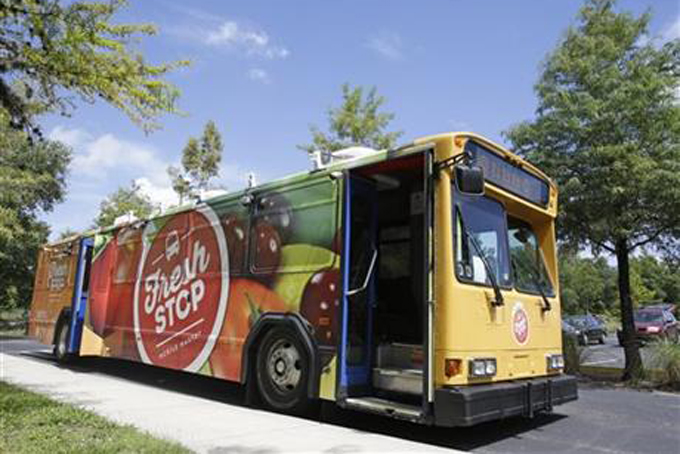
(589, 328)
(654, 322)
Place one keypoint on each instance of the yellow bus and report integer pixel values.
(418, 283)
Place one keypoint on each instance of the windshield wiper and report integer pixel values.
(492, 276)
(535, 278)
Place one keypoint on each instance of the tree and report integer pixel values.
(200, 163)
(50, 51)
(357, 122)
(123, 201)
(67, 233)
(32, 181)
(607, 128)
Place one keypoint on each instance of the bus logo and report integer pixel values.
(182, 291)
(520, 324)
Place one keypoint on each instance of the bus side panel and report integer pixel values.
(183, 291)
(53, 289)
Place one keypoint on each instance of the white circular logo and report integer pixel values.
(520, 324)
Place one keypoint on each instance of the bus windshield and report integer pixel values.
(484, 218)
(530, 272)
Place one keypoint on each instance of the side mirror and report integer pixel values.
(469, 180)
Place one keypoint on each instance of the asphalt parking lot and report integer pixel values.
(610, 354)
(603, 420)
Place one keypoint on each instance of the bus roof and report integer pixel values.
(416, 146)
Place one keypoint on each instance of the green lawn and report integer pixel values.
(32, 423)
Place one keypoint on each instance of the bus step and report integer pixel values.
(384, 407)
(407, 381)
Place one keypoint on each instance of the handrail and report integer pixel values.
(368, 276)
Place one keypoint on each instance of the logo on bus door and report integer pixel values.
(520, 324)
(182, 291)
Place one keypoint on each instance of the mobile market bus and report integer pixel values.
(418, 282)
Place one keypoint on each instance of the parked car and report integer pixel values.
(654, 322)
(569, 330)
(589, 328)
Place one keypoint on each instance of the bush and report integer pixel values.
(665, 358)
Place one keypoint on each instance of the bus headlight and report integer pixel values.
(482, 367)
(555, 362)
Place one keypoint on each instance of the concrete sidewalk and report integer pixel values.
(200, 424)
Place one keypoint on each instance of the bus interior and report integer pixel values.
(385, 320)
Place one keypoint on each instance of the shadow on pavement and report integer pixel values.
(467, 438)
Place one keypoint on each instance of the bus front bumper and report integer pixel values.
(468, 405)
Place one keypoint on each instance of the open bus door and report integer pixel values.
(386, 346)
(360, 252)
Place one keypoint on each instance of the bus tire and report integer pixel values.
(283, 370)
(61, 335)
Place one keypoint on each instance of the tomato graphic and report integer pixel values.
(181, 294)
(321, 303)
(248, 299)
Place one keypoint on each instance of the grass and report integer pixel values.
(665, 358)
(32, 423)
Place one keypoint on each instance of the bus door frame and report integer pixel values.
(357, 379)
(429, 181)
(79, 301)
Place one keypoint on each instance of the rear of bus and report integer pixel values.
(497, 326)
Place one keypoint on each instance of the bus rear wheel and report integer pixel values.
(60, 349)
(283, 371)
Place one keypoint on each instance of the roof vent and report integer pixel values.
(321, 159)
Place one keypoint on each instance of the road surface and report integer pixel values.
(209, 415)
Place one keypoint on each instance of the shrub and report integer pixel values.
(665, 358)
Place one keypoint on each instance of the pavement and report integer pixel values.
(610, 354)
(209, 415)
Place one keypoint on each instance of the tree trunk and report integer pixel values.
(633, 369)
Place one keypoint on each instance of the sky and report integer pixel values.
(265, 71)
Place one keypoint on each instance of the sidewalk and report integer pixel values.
(200, 424)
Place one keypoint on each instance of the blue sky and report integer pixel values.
(265, 70)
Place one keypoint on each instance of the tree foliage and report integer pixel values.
(201, 160)
(607, 128)
(32, 181)
(357, 122)
(123, 201)
(52, 50)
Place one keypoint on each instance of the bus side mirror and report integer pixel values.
(469, 180)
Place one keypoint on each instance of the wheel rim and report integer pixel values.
(61, 345)
(284, 366)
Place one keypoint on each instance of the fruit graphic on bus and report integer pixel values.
(235, 231)
(181, 292)
(320, 304)
(248, 299)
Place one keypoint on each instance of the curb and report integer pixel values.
(614, 373)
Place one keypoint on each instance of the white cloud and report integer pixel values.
(259, 75)
(161, 194)
(71, 137)
(98, 156)
(388, 45)
(673, 30)
(246, 39)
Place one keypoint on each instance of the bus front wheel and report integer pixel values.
(283, 371)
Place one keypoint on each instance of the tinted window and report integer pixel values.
(481, 220)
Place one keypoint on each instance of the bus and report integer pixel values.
(418, 282)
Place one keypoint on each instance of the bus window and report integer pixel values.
(528, 265)
(484, 219)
